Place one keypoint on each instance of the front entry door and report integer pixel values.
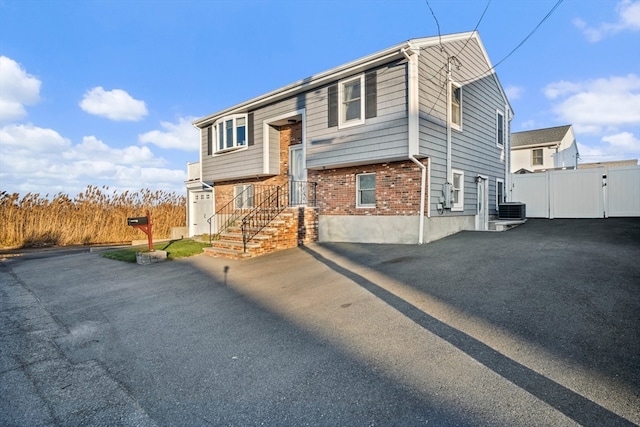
(482, 222)
(297, 176)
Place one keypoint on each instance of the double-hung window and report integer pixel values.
(499, 129)
(351, 106)
(366, 190)
(456, 106)
(458, 191)
(231, 133)
(536, 159)
(353, 100)
(243, 196)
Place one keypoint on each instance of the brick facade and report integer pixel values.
(397, 189)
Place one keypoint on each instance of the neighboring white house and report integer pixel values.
(544, 149)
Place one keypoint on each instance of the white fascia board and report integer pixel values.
(310, 83)
(430, 41)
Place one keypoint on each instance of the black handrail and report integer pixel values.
(230, 213)
(272, 202)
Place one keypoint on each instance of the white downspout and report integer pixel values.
(507, 149)
(448, 107)
(413, 97)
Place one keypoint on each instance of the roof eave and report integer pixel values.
(310, 83)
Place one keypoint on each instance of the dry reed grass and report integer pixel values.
(97, 215)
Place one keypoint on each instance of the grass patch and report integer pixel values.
(175, 249)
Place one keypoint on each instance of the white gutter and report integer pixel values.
(413, 97)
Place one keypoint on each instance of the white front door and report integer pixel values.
(482, 221)
(297, 176)
(201, 210)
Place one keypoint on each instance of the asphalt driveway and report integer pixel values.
(536, 326)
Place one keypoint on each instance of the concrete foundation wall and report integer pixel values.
(388, 229)
(439, 227)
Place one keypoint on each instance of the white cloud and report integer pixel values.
(624, 142)
(594, 105)
(628, 19)
(114, 104)
(514, 92)
(181, 136)
(17, 89)
(34, 159)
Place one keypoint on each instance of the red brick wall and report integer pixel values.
(397, 189)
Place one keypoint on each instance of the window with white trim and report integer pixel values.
(351, 105)
(536, 157)
(500, 193)
(243, 196)
(230, 133)
(366, 190)
(499, 129)
(458, 190)
(456, 106)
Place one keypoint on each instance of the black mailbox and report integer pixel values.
(140, 220)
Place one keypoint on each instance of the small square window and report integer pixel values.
(366, 190)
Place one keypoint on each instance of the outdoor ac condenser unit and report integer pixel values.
(512, 210)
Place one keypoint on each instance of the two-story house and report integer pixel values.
(544, 149)
(406, 145)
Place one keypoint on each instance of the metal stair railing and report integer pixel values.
(230, 213)
(272, 203)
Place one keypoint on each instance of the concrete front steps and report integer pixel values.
(505, 224)
(280, 233)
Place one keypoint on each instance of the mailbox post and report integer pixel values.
(143, 223)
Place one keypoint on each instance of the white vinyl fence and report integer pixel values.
(581, 193)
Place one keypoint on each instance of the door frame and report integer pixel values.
(482, 203)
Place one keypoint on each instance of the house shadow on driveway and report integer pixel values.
(568, 286)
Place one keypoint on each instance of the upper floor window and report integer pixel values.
(366, 190)
(352, 100)
(536, 159)
(499, 129)
(458, 191)
(230, 133)
(456, 106)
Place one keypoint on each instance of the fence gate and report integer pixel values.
(581, 193)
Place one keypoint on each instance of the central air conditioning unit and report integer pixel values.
(512, 210)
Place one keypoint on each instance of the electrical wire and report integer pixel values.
(553, 9)
(437, 24)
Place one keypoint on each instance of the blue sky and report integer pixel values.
(104, 92)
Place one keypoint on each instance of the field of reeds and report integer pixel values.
(97, 215)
